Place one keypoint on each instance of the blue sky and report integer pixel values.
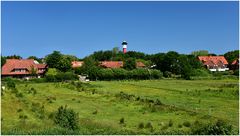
(80, 28)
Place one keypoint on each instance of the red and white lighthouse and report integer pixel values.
(124, 44)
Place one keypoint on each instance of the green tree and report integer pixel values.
(53, 59)
(90, 67)
(3, 60)
(200, 53)
(35, 58)
(129, 64)
(64, 64)
(185, 67)
(14, 57)
(231, 56)
(66, 118)
(33, 71)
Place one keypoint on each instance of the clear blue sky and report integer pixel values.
(80, 28)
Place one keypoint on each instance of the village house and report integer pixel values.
(108, 64)
(23, 68)
(235, 64)
(214, 63)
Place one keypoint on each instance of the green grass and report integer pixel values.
(202, 100)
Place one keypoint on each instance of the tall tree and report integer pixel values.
(129, 64)
(231, 56)
(53, 59)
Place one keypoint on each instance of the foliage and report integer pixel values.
(33, 71)
(39, 60)
(59, 61)
(105, 74)
(231, 56)
(236, 73)
(200, 72)
(3, 60)
(54, 75)
(121, 121)
(200, 53)
(11, 84)
(14, 57)
(66, 118)
(120, 73)
(129, 64)
(218, 128)
(53, 59)
(186, 124)
(167, 74)
(89, 67)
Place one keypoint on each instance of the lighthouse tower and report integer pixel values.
(124, 44)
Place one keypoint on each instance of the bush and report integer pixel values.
(149, 125)
(120, 73)
(167, 74)
(156, 74)
(218, 128)
(141, 125)
(66, 118)
(60, 76)
(121, 121)
(186, 124)
(200, 73)
(140, 73)
(105, 74)
(170, 123)
(11, 84)
(236, 73)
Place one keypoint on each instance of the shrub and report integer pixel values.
(170, 123)
(19, 110)
(180, 125)
(95, 112)
(66, 118)
(186, 124)
(218, 128)
(236, 73)
(121, 121)
(167, 74)
(11, 84)
(141, 125)
(120, 73)
(155, 74)
(105, 74)
(149, 125)
(200, 73)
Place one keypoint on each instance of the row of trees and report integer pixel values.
(170, 62)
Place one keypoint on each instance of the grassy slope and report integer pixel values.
(182, 94)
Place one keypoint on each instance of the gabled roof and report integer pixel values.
(26, 64)
(111, 64)
(76, 64)
(215, 59)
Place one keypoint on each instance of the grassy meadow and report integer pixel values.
(166, 106)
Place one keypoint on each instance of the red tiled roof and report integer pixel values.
(213, 59)
(26, 64)
(111, 64)
(117, 64)
(235, 62)
(76, 64)
(140, 64)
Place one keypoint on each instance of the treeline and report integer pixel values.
(168, 64)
